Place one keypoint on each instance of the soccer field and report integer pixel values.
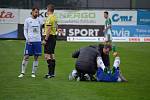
(135, 66)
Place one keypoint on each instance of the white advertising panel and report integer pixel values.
(86, 17)
(123, 17)
(80, 17)
(85, 39)
(23, 14)
(102, 39)
(70, 17)
(120, 39)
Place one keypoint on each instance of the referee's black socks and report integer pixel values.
(51, 66)
(49, 62)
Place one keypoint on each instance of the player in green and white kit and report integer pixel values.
(107, 30)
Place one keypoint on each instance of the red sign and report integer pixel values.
(5, 14)
(146, 39)
(134, 39)
(9, 16)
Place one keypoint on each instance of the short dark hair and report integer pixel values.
(50, 7)
(34, 7)
(106, 12)
(107, 45)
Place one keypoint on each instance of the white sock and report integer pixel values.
(34, 67)
(116, 62)
(24, 65)
(100, 63)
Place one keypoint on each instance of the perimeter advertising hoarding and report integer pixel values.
(86, 17)
(84, 33)
(83, 23)
(8, 23)
(9, 16)
(140, 33)
(73, 31)
(143, 17)
(131, 31)
(70, 17)
(123, 17)
(8, 30)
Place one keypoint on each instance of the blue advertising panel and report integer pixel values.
(13, 34)
(131, 31)
(8, 30)
(143, 17)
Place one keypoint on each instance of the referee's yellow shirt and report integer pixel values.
(52, 22)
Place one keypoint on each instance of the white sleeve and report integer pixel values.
(26, 30)
(100, 62)
(117, 62)
(41, 20)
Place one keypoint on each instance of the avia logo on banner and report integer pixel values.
(5, 14)
(121, 32)
(117, 17)
(124, 17)
(131, 31)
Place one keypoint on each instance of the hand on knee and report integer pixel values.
(47, 57)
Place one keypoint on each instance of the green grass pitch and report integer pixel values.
(135, 66)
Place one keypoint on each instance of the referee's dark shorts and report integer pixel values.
(49, 47)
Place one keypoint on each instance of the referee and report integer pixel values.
(50, 28)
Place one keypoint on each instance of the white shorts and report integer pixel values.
(108, 36)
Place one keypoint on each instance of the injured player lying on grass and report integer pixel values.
(103, 74)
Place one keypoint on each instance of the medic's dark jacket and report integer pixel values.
(87, 58)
